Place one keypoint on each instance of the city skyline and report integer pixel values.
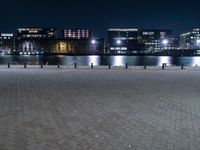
(98, 16)
(81, 41)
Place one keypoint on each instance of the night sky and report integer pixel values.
(99, 15)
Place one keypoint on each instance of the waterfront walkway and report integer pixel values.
(99, 109)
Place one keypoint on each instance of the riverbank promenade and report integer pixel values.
(64, 108)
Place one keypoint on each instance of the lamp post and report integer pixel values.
(118, 42)
(93, 43)
(165, 43)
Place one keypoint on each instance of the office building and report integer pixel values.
(123, 41)
(190, 39)
(156, 40)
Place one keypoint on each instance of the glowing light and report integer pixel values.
(164, 60)
(94, 59)
(93, 41)
(198, 41)
(118, 61)
(195, 61)
(165, 42)
(7, 34)
(119, 42)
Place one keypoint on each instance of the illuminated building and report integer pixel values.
(46, 41)
(7, 43)
(35, 40)
(77, 34)
(61, 46)
(81, 46)
(123, 41)
(156, 40)
(190, 39)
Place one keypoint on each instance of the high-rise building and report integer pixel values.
(123, 41)
(77, 33)
(190, 39)
(156, 40)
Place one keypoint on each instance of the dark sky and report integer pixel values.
(99, 15)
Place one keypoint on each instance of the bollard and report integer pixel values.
(182, 66)
(8, 65)
(163, 66)
(109, 66)
(75, 65)
(24, 65)
(92, 66)
(41, 65)
(58, 66)
(126, 65)
(145, 66)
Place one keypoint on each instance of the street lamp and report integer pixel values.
(93, 41)
(198, 41)
(165, 42)
(93, 45)
(119, 42)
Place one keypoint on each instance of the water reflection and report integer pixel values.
(164, 60)
(195, 61)
(101, 60)
(118, 60)
(93, 59)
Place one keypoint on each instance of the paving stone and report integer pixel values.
(99, 109)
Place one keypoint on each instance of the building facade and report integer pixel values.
(77, 33)
(156, 40)
(190, 39)
(78, 46)
(61, 46)
(46, 41)
(7, 43)
(36, 33)
(123, 41)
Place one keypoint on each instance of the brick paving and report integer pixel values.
(83, 109)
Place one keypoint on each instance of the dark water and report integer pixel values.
(101, 60)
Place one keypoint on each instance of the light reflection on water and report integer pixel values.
(93, 59)
(118, 60)
(195, 61)
(164, 60)
(101, 60)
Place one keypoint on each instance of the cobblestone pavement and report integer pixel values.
(68, 109)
